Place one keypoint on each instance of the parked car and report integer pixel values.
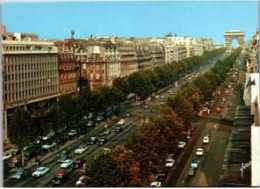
(90, 123)
(195, 163)
(90, 115)
(40, 171)
(21, 173)
(29, 154)
(16, 151)
(226, 93)
(162, 96)
(7, 156)
(62, 156)
(102, 141)
(92, 140)
(72, 133)
(121, 122)
(128, 114)
(224, 99)
(199, 152)
(181, 144)
(156, 184)
(191, 171)
(107, 132)
(67, 163)
(100, 118)
(48, 146)
(205, 140)
(169, 162)
(157, 96)
(60, 177)
(118, 129)
(78, 163)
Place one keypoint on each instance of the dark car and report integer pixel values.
(29, 154)
(15, 162)
(221, 105)
(60, 177)
(118, 129)
(162, 176)
(78, 163)
(109, 113)
(100, 118)
(21, 173)
(102, 141)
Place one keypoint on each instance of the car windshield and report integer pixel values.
(41, 169)
(169, 161)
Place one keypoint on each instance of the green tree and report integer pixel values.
(21, 130)
(122, 85)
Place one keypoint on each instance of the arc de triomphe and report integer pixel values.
(234, 34)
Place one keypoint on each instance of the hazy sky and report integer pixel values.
(126, 19)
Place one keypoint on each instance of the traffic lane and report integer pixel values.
(55, 168)
(126, 133)
(52, 161)
(209, 171)
(177, 172)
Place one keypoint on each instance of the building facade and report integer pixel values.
(157, 54)
(30, 72)
(128, 58)
(175, 53)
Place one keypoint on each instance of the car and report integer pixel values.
(7, 156)
(229, 86)
(149, 98)
(171, 93)
(146, 106)
(67, 163)
(181, 144)
(121, 122)
(90, 123)
(78, 163)
(176, 84)
(100, 118)
(107, 132)
(92, 140)
(156, 184)
(195, 163)
(226, 93)
(109, 113)
(157, 96)
(205, 140)
(206, 111)
(162, 103)
(62, 157)
(15, 162)
(162, 96)
(21, 173)
(102, 141)
(162, 176)
(40, 171)
(189, 78)
(169, 162)
(221, 105)
(81, 150)
(82, 182)
(16, 152)
(191, 171)
(60, 177)
(199, 152)
(90, 115)
(29, 154)
(72, 132)
(224, 99)
(128, 114)
(48, 146)
(118, 129)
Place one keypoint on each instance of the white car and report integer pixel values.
(81, 150)
(156, 184)
(7, 156)
(67, 163)
(205, 140)
(40, 171)
(169, 162)
(121, 122)
(157, 96)
(72, 132)
(199, 152)
(181, 144)
(48, 146)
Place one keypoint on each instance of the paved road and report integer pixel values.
(132, 123)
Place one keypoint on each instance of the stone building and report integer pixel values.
(175, 53)
(68, 68)
(144, 57)
(157, 54)
(128, 57)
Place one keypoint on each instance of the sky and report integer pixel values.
(55, 20)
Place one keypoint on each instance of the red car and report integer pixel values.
(218, 110)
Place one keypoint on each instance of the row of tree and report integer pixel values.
(133, 163)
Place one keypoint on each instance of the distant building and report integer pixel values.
(157, 54)
(144, 58)
(175, 53)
